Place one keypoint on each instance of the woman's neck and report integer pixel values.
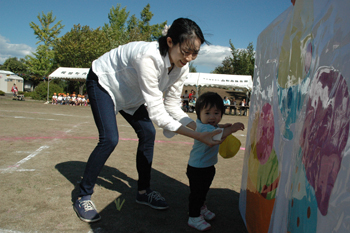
(170, 68)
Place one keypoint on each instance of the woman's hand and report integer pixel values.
(207, 138)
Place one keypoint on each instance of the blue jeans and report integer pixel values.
(102, 108)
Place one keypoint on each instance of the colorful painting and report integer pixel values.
(296, 175)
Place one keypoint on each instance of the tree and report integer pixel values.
(241, 62)
(45, 33)
(79, 47)
(121, 31)
(14, 65)
(43, 63)
(19, 67)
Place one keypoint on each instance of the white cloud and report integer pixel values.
(210, 57)
(13, 50)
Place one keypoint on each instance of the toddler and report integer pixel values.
(200, 170)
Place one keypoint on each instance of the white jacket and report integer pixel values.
(136, 73)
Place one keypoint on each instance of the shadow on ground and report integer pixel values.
(137, 218)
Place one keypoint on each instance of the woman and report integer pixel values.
(124, 80)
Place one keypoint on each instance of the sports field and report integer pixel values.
(43, 153)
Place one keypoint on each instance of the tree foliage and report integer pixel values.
(82, 45)
(241, 62)
(122, 30)
(79, 47)
(40, 92)
(14, 65)
(45, 33)
(42, 64)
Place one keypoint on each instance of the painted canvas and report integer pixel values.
(296, 174)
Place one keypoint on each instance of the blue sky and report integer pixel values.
(240, 21)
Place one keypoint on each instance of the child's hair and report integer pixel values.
(181, 30)
(209, 99)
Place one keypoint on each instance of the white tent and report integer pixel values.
(238, 83)
(76, 74)
(7, 79)
(242, 83)
(68, 73)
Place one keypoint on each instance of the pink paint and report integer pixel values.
(265, 133)
(89, 138)
(325, 133)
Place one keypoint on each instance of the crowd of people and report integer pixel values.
(72, 100)
(231, 105)
(188, 101)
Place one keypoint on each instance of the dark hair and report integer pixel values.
(181, 30)
(209, 99)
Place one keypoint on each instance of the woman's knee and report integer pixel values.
(149, 133)
(111, 142)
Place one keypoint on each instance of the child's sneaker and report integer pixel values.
(86, 209)
(207, 214)
(199, 223)
(152, 199)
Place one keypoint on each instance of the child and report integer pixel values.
(200, 170)
(14, 90)
(59, 98)
(54, 98)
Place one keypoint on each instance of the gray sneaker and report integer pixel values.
(86, 209)
(152, 199)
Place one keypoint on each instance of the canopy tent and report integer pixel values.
(68, 73)
(76, 74)
(239, 83)
(242, 83)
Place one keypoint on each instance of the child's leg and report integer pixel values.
(200, 180)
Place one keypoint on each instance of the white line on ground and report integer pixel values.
(19, 163)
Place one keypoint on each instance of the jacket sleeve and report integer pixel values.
(149, 71)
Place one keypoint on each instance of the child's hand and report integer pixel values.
(237, 126)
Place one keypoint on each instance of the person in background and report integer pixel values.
(78, 101)
(193, 104)
(122, 81)
(83, 100)
(73, 100)
(54, 99)
(191, 95)
(200, 168)
(243, 107)
(226, 104)
(185, 98)
(68, 99)
(64, 99)
(233, 106)
(14, 90)
(59, 98)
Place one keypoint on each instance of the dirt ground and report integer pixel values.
(44, 149)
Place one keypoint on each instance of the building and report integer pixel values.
(7, 79)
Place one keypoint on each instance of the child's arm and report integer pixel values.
(233, 128)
